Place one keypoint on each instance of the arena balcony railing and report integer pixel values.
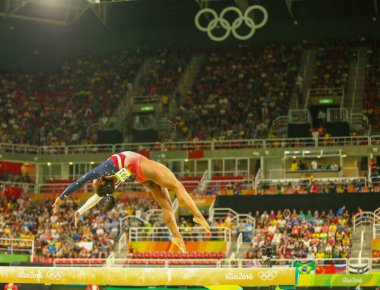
(188, 234)
(15, 189)
(12, 246)
(210, 186)
(194, 145)
(303, 185)
(342, 263)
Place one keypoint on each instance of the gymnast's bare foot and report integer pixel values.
(203, 223)
(180, 244)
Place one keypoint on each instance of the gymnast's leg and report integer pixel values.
(163, 177)
(161, 195)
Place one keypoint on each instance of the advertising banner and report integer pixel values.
(339, 280)
(375, 244)
(149, 276)
(162, 246)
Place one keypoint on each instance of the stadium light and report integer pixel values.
(107, 1)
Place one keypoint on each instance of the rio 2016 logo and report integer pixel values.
(239, 276)
(30, 275)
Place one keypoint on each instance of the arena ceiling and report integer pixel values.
(166, 12)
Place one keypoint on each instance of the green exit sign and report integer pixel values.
(326, 101)
(147, 108)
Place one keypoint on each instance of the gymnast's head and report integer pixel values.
(104, 187)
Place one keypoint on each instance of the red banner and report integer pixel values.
(195, 154)
(330, 269)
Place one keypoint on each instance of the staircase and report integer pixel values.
(123, 111)
(147, 65)
(356, 81)
(305, 72)
(367, 232)
(189, 74)
(242, 251)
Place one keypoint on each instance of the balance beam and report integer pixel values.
(149, 276)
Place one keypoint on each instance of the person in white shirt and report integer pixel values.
(314, 165)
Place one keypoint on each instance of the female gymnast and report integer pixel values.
(156, 177)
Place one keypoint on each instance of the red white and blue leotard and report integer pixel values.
(131, 161)
(127, 159)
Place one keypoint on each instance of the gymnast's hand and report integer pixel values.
(56, 205)
(77, 217)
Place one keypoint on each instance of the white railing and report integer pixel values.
(227, 184)
(221, 213)
(337, 115)
(153, 215)
(17, 246)
(289, 185)
(366, 218)
(326, 92)
(280, 125)
(188, 234)
(376, 226)
(60, 186)
(183, 146)
(24, 187)
(19, 148)
(122, 242)
(300, 116)
(124, 223)
(80, 262)
(235, 218)
(258, 177)
(110, 260)
(239, 242)
(210, 262)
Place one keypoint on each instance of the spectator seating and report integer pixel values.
(301, 235)
(372, 87)
(165, 74)
(55, 235)
(332, 64)
(67, 102)
(239, 92)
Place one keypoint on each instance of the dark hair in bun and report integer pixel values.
(111, 202)
(106, 189)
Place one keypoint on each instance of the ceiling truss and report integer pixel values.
(72, 10)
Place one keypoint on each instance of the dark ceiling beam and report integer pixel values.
(101, 11)
(202, 3)
(242, 4)
(289, 5)
(375, 6)
(14, 5)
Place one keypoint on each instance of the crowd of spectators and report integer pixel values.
(236, 95)
(311, 185)
(372, 87)
(165, 73)
(374, 172)
(304, 235)
(15, 178)
(332, 66)
(57, 108)
(300, 165)
(238, 92)
(55, 235)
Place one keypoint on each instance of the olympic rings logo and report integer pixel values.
(54, 275)
(268, 275)
(231, 27)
